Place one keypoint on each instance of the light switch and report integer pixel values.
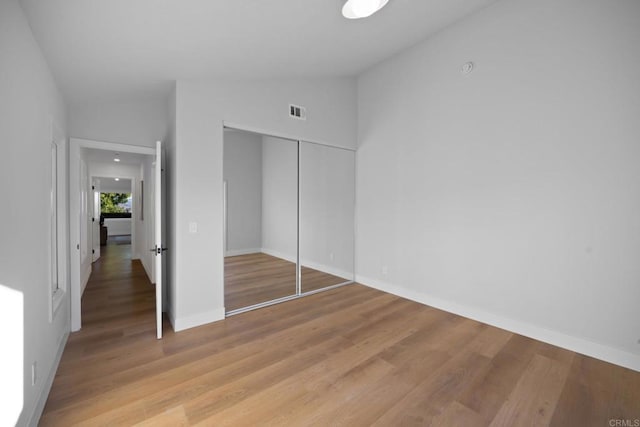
(193, 227)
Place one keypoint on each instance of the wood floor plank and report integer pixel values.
(339, 393)
(319, 377)
(364, 408)
(232, 397)
(431, 397)
(350, 356)
(456, 414)
(596, 393)
(533, 400)
(291, 402)
(173, 417)
(294, 337)
(490, 391)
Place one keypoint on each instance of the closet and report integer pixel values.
(288, 219)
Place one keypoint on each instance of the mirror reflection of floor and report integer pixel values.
(256, 278)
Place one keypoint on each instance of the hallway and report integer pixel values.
(118, 317)
(118, 289)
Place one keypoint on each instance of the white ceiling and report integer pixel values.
(107, 156)
(110, 185)
(101, 49)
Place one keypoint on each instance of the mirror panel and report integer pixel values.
(327, 207)
(260, 202)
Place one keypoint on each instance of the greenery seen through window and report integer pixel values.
(115, 202)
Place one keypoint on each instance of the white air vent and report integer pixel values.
(297, 112)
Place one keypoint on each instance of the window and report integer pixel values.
(56, 226)
(57, 213)
(115, 205)
(55, 279)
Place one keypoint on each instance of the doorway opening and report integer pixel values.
(114, 220)
(113, 216)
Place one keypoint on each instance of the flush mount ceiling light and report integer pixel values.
(356, 9)
(116, 158)
(117, 179)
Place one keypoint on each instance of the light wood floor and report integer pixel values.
(257, 278)
(351, 356)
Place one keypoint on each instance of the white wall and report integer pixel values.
(280, 198)
(243, 174)
(29, 103)
(118, 226)
(135, 121)
(196, 177)
(511, 194)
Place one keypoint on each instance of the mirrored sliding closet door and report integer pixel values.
(260, 219)
(327, 203)
(288, 219)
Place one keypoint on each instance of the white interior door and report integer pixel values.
(158, 236)
(95, 225)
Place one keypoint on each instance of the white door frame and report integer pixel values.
(95, 225)
(157, 235)
(75, 146)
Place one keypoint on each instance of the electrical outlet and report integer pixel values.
(34, 373)
(331, 256)
(385, 270)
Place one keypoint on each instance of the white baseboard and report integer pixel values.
(199, 319)
(44, 394)
(172, 319)
(327, 269)
(277, 254)
(311, 264)
(559, 339)
(236, 252)
(147, 271)
(85, 279)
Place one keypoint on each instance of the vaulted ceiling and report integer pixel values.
(98, 49)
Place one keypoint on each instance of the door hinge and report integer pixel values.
(93, 187)
(93, 251)
(93, 220)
